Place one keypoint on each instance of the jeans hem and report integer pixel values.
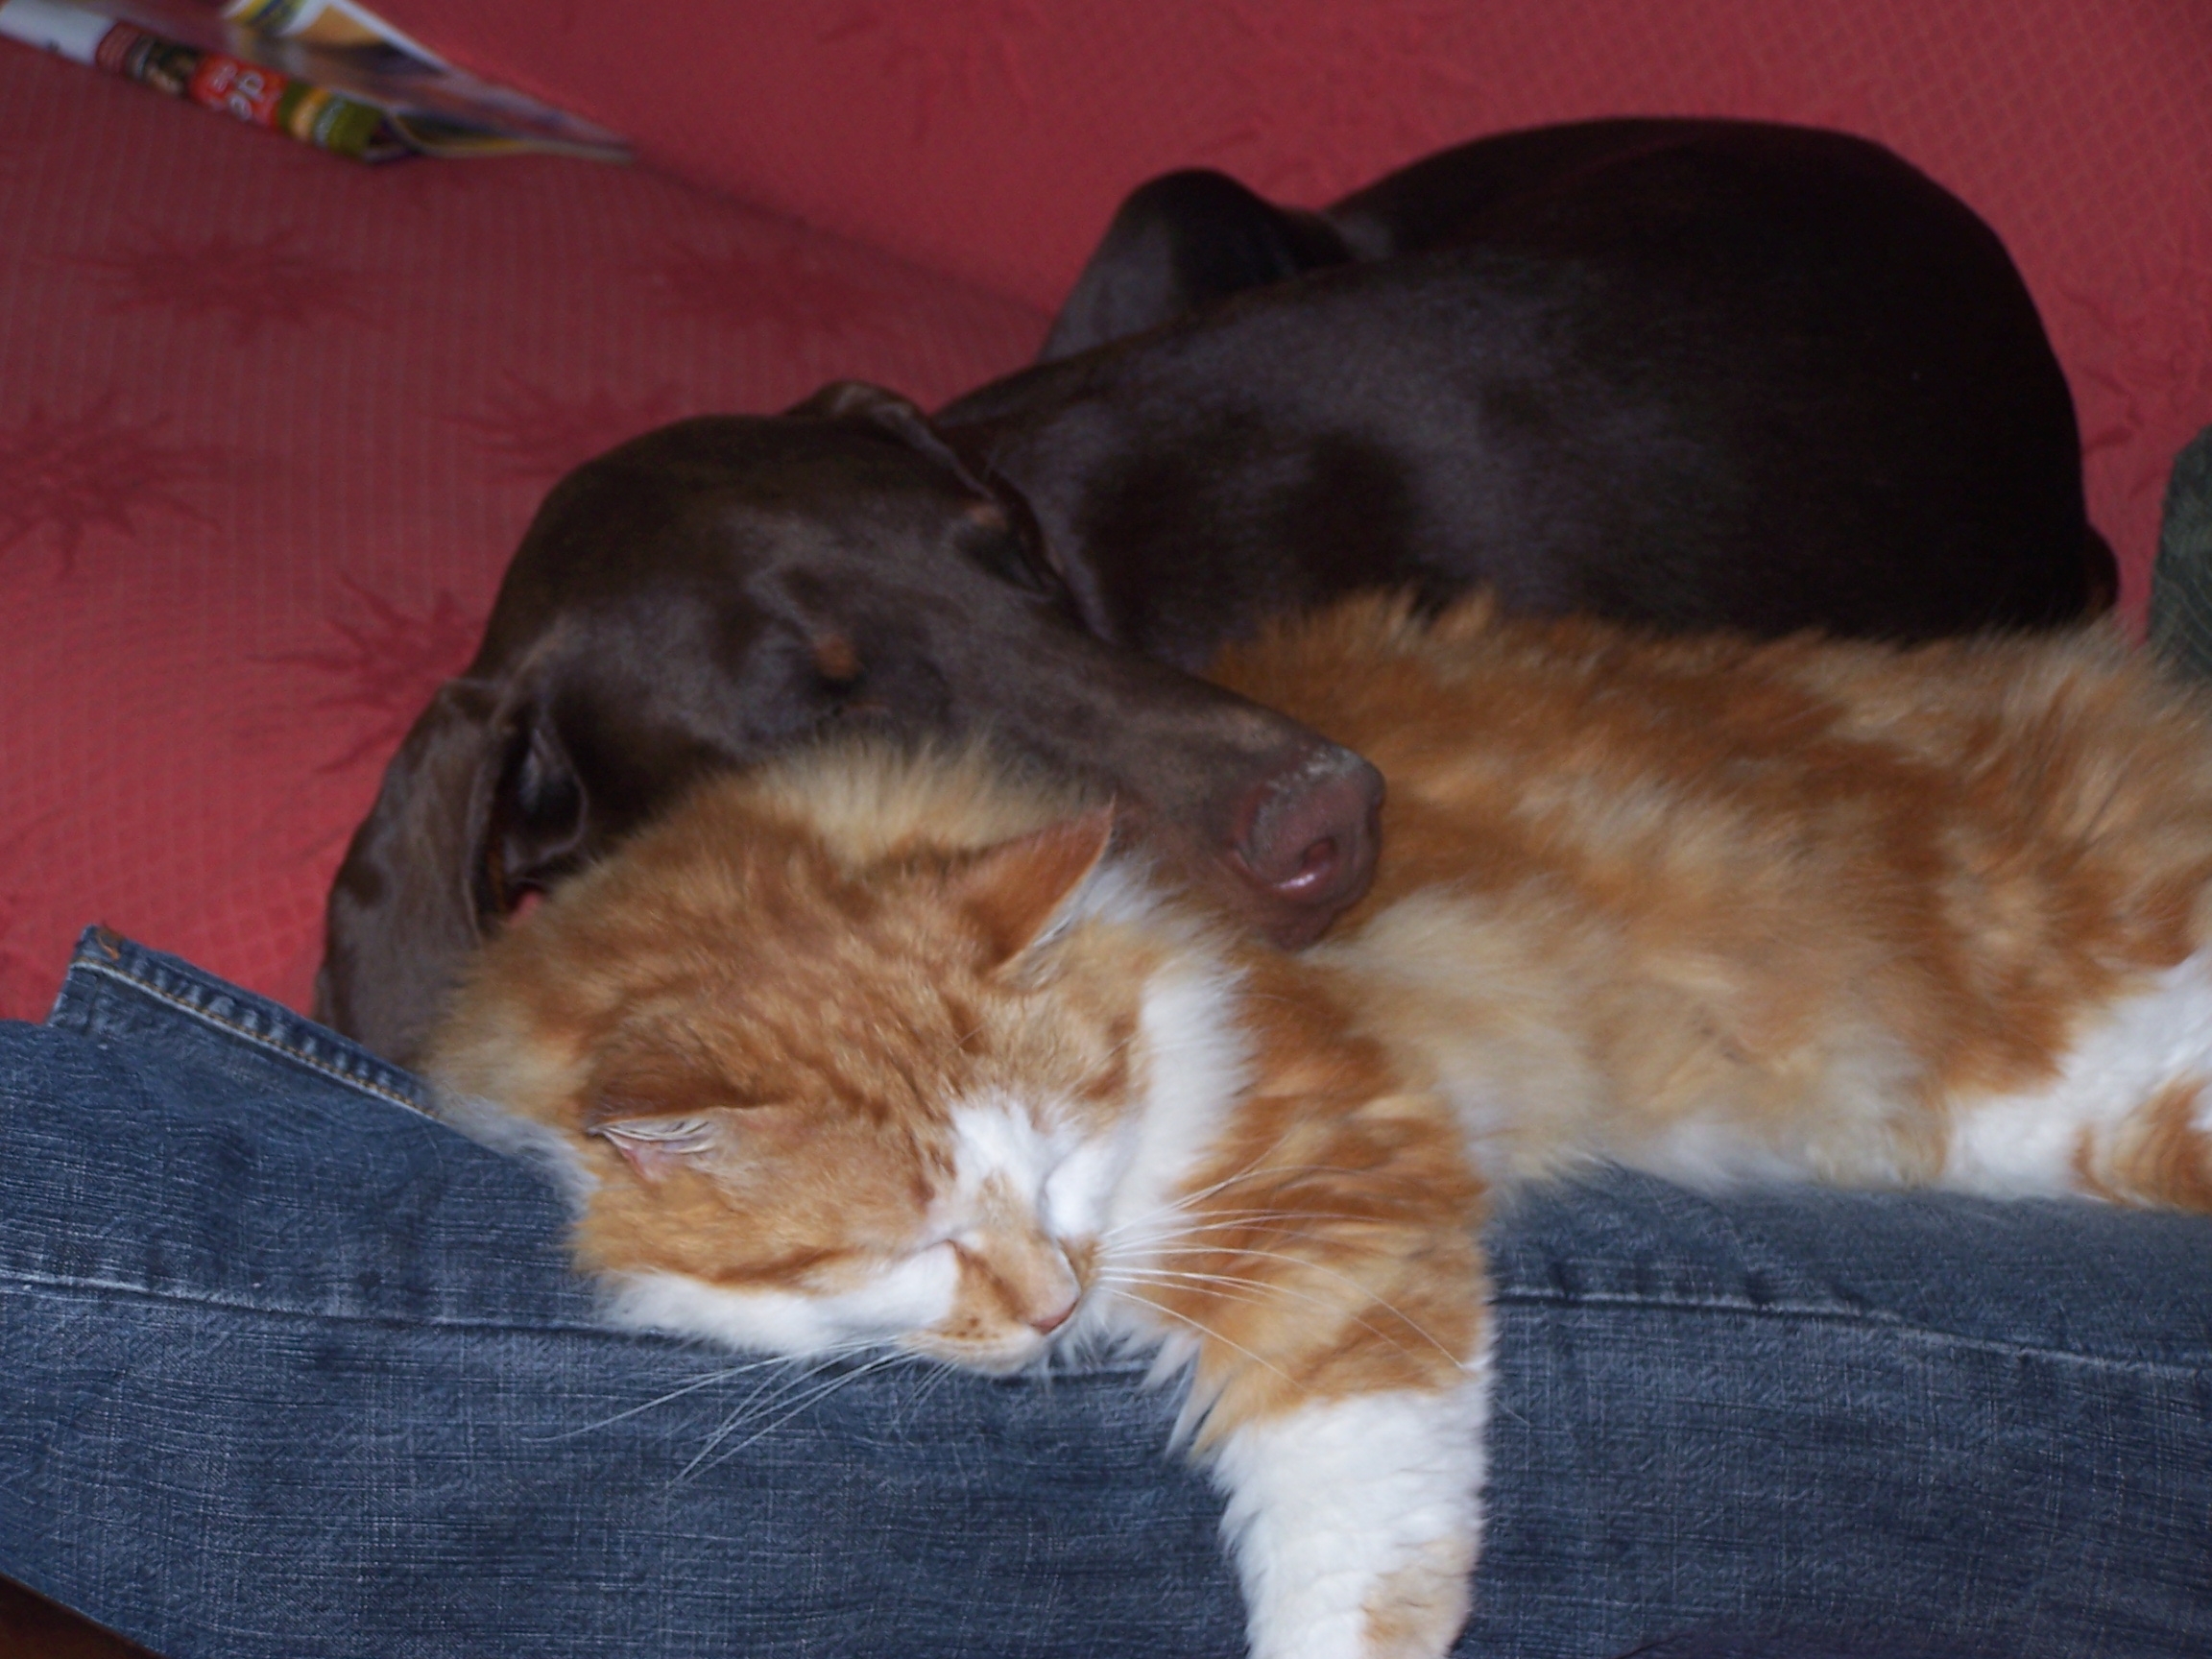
(265, 1024)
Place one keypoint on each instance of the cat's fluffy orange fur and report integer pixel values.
(1821, 901)
(877, 1048)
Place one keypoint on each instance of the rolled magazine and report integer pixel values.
(326, 72)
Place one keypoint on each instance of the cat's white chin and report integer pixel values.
(896, 1312)
(1017, 1351)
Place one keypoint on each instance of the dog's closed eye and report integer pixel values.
(1007, 545)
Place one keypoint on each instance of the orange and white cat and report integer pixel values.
(873, 1049)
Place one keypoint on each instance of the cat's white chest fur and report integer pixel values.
(1353, 1521)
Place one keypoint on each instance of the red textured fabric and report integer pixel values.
(271, 425)
(992, 137)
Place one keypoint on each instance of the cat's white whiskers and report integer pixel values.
(784, 1375)
(940, 1371)
(1229, 1290)
(961, 1040)
(1258, 1294)
(1278, 1224)
(1197, 1196)
(706, 1456)
(707, 1380)
(766, 1394)
(1206, 1331)
(835, 1384)
(1164, 1275)
(1411, 1324)
(1185, 1203)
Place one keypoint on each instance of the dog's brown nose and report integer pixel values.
(1307, 838)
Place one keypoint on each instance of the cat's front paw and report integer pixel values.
(1354, 1523)
(1417, 1611)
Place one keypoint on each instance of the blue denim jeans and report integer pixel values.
(289, 1369)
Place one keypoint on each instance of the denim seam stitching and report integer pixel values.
(260, 1039)
(1697, 1304)
(36, 1284)
(33, 1282)
(1814, 1313)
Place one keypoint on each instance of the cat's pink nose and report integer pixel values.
(1049, 1321)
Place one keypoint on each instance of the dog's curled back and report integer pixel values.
(875, 1050)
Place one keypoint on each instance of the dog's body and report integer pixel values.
(1691, 373)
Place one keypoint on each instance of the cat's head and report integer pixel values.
(834, 1085)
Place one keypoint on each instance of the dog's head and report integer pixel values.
(726, 587)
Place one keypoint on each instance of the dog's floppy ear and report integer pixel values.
(1182, 242)
(404, 911)
(901, 418)
(481, 804)
(534, 827)
(1039, 569)
(843, 399)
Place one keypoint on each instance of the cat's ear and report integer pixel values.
(657, 1146)
(1017, 889)
(655, 1103)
